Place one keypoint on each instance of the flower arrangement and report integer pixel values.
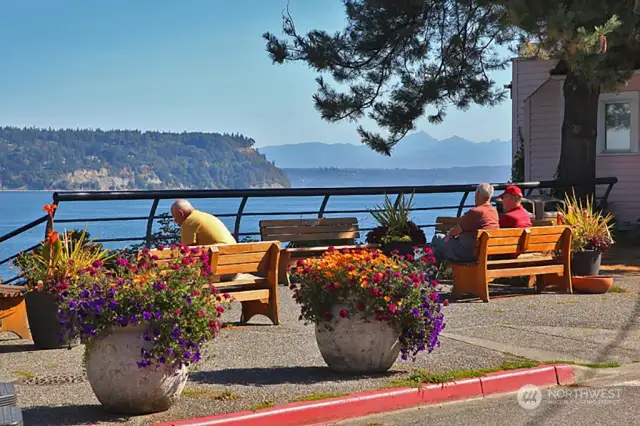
(394, 225)
(591, 229)
(55, 264)
(174, 304)
(398, 290)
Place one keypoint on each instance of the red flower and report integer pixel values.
(196, 292)
(220, 309)
(52, 236)
(178, 311)
(344, 313)
(201, 314)
(446, 302)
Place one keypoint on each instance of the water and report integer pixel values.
(19, 208)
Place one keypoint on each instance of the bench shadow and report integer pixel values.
(278, 376)
(68, 415)
(16, 347)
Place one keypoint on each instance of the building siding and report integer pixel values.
(543, 120)
(527, 76)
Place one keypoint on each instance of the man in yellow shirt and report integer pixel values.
(199, 228)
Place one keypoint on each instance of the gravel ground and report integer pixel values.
(260, 364)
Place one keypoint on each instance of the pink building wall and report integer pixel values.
(538, 109)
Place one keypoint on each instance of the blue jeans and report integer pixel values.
(459, 250)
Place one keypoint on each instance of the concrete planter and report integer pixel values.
(356, 346)
(120, 385)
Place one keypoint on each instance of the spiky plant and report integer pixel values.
(591, 229)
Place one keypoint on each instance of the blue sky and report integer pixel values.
(179, 65)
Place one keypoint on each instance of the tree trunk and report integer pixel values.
(579, 134)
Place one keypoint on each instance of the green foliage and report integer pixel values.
(394, 216)
(395, 58)
(32, 158)
(591, 229)
(53, 266)
(517, 168)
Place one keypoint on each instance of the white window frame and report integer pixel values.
(632, 97)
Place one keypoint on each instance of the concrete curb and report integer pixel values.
(361, 404)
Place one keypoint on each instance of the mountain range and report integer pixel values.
(416, 151)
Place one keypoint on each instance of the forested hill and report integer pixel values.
(33, 158)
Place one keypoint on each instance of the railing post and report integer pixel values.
(323, 206)
(152, 215)
(236, 227)
(462, 201)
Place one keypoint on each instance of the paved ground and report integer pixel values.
(259, 365)
(603, 402)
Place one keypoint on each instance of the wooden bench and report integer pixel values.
(13, 311)
(444, 223)
(339, 232)
(257, 286)
(538, 249)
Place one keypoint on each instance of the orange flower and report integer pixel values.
(52, 236)
(50, 208)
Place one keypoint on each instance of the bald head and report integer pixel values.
(180, 210)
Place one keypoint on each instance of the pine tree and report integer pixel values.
(397, 58)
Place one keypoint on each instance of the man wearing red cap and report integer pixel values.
(515, 216)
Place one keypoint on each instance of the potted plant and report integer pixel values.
(369, 308)
(50, 271)
(591, 235)
(145, 324)
(395, 232)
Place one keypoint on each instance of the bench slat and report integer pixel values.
(233, 259)
(256, 247)
(309, 222)
(524, 259)
(249, 295)
(532, 248)
(314, 237)
(522, 272)
(533, 239)
(320, 229)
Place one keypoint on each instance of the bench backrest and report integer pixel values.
(341, 229)
(443, 224)
(538, 239)
(246, 258)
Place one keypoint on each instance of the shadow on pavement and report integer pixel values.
(68, 415)
(276, 376)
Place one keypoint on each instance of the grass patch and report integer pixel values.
(498, 311)
(586, 364)
(531, 306)
(318, 396)
(635, 361)
(219, 396)
(567, 302)
(618, 289)
(420, 376)
(25, 374)
(262, 406)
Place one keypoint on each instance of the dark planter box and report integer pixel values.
(586, 263)
(42, 312)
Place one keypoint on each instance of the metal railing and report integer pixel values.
(245, 194)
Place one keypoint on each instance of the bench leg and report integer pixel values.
(252, 308)
(13, 316)
(467, 279)
(283, 265)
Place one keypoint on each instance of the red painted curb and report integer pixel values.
(361, 404)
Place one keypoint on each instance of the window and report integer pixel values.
(618, 122)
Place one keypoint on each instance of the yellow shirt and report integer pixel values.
(202, 229)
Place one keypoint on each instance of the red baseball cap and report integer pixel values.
(511, 190)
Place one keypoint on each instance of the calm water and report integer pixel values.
(19, 208)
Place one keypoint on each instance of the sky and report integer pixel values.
(197, 65)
